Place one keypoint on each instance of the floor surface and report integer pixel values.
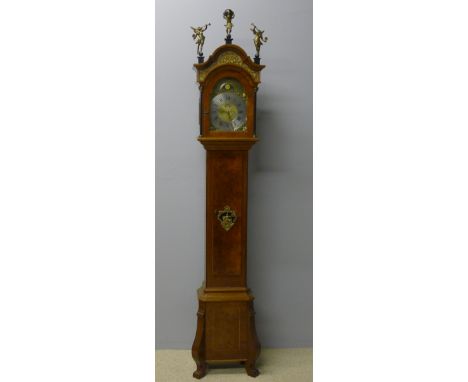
(275, 365)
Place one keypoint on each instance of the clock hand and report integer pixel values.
(233, 111)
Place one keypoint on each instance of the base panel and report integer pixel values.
(225, 330)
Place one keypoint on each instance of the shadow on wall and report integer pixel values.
(279, 227)
(269, 155)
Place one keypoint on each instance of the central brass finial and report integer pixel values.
(228, 16)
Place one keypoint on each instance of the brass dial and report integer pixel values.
(229, 107)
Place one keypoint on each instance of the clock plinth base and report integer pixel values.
(225, 329)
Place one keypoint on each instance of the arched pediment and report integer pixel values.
(228, 54)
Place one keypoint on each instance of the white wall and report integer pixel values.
(280, 179)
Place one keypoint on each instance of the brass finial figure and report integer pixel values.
(258, 41)
(199, 38)
(228, 16)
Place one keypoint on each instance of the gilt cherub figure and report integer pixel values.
(199, 38)
(228, 16)
(259, 39)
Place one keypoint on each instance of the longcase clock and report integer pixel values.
(228, 83)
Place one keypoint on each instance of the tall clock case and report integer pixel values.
(226, 326)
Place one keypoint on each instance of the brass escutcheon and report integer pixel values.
(227, 217)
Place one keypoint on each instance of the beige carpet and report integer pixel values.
(275, 365)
